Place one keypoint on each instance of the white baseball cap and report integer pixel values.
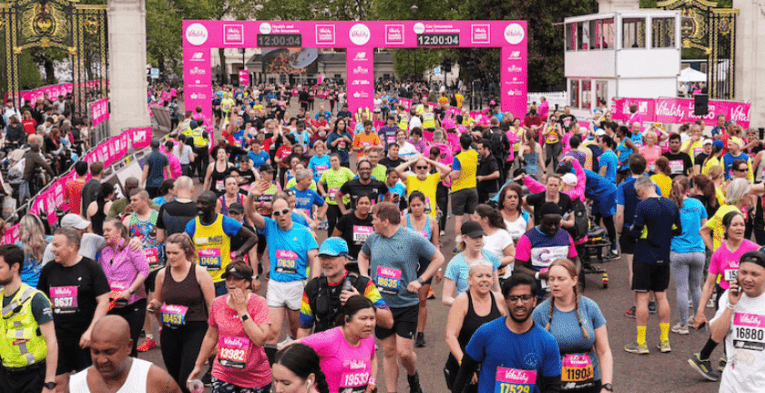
(72, 220)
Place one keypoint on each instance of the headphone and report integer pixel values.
(347, 319)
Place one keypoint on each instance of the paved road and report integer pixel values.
(652, 373)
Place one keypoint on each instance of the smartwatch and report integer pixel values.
(132, 292)
(420, 280)
(244, 317)
(608, 387)
(50, 385)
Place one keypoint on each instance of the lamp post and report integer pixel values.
(414, 8)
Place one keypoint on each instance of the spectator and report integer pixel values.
(156, 167)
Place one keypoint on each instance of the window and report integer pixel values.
(633, 32)
(663, 32)
(573, 92)
(596, 27)
(571, 36)
(608, 34)
(586, 94)
(601, 92)
(579, 36)
(586, 35)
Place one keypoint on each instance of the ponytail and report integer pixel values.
(677, 193)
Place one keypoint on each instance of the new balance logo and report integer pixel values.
(360, 56)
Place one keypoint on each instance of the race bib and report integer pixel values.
(361, 233)
(731, 275)
(233, 352)
(577, 371)
(748, 331)
(209, 258)
(388, 280)
(366, 144)
(286, 262)
(355, 376)
(64, 298)
(390, 139)
(220, 186)
(510, 380)
(173, 315)
(332, 193)
(428, 208)
(322, 133)
(676, 166)
(341, 145)
(152, 257)
(320, 169)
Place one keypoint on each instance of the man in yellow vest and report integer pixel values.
(464, 192)
(198, 133)
(28, 343)
(360, 115)
(428, 119)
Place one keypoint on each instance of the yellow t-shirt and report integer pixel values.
(427, 187)
(460, 98)
(696, 149)
(519, 133)
(712, 161)
(715, 223)
(468, 166)
(664, 182)
(213, 247)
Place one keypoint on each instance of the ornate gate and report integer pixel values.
(712, 30)
(79, 29)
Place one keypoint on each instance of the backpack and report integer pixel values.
(581, 220)
(497, 144)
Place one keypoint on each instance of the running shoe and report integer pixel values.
(721, 365)
(284, 343)
(414, 383)
(147, 345)
(630, 313)
(679, 328)
(652, 308)
(704, 367)
(431, 295)
(664, 346)
(419, 342)
(640, 349)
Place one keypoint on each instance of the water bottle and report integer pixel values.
(347, 285)
(196, 386)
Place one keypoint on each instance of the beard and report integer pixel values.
(520, 320)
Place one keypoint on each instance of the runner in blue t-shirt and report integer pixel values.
(258, 156)
(608, 161)
(306, 198)
(514, 353)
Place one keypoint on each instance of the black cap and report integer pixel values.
(472, 229)
(239, 270)
(236, 208)
(550, 208)
(267, 168)
(756, 257)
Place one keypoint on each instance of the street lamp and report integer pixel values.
(414, 8)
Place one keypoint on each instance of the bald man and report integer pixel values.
(112, 368)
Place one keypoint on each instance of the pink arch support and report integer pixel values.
(359, 39)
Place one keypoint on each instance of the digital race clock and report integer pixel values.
(444, 39)
(280, 40)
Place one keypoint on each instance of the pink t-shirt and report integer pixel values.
(175, 165)
(344, 365)
(651, 154)
(723, 260)
(246, 365)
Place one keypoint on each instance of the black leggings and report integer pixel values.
(608, 222)
(333, 214)
(442, 200)
(134, 314)
(180, 348)
(552, 152)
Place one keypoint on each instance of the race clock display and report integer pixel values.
(280, 40)
(440, 39)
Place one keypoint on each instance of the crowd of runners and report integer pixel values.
(524, 193)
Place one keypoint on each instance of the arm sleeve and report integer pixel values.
(456, 166)
(523, 249)
(41, 308)
(139, 261)
(230, 226)
(581, 181)
(620, 194)
(571, 247)
(317, 199)
(637, 225)
(452, 271)
(160, 221)
(191, 227)
(533, 185)
(323, 343)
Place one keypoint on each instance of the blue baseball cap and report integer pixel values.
(718, 144)
(334, 247)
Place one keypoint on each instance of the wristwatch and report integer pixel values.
(420, 280)
(244, 317)
(608, 387)
(50, 385)
(132, 292)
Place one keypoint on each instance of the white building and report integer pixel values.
(630, 53)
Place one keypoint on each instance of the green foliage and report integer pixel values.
(29, 73)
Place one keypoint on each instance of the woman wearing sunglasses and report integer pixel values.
(585, 354)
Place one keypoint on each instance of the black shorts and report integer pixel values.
(28, 379)
(404, 323)
(72, 358)
(149, 283)
(422, 266)
(261, 243)
(627, 243)
(649, 277)
(464, 201)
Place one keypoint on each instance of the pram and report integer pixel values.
(596, 248)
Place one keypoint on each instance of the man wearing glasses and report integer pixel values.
(291, 250)
(424, 181)
(364, 184)
(514, 353)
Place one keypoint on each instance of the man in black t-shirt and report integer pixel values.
(355, 227)
(246, 174)
(553, 195)
(566, 119)
(392, 160)
(79, 293)
(679, 162)
(488, 171)
(173, 216)
(90, 189)
(362, 185)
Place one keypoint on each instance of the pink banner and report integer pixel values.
(140, 137)
(200, 36)
(680, 110)
(100, 111)
(244, 78)
(53, 91)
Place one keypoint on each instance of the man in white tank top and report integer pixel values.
(113, 369)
